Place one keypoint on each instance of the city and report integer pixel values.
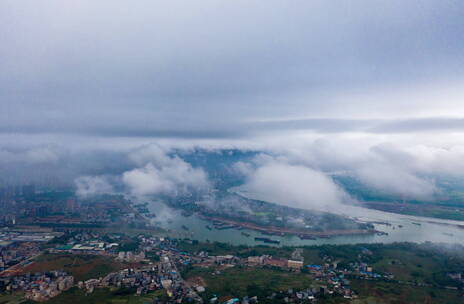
(232, 152)
(41, 260)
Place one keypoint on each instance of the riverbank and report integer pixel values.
(281, 231)
(430, 210)
(401, 229)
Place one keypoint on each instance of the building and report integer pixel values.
(166, 283)
(276, 262)
(224, 259)
(255, 260)
(292, 264)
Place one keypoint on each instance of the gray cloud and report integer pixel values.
(244, 130)
(370, 88)
(162, 174)
(34, 155)
(209, 70)
(407, 172)
(92, 185)
(153, 171)
(396, 181)
(276, 180)
(437, 124)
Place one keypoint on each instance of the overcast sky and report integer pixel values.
(119, 74)
(228, 69)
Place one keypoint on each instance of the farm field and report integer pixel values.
(82, 267)
(244, 281)
(102, 296)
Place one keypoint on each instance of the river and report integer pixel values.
(403, 228)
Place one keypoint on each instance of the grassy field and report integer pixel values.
(82, 267)
(407, 265)
(238, 282)
(216, 248)
(420, 209)
(15, 298)
(312, 256)
(246, 281)
(390, 293)
(102, 296)
(423, 263)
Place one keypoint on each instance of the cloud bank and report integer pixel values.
(155, 173)
(205, 70)
(372, 89)
(293, 185)
(87, 186)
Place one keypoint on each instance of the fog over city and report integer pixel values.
(102, 96)
(232, 151)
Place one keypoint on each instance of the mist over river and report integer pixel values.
(402, 228)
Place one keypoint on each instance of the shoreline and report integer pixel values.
(280, 231)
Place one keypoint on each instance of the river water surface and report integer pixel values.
(403, 228)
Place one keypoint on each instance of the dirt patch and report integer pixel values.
(197, 281)
(82, 267)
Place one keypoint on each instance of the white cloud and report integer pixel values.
(160, 173)
(33, 155)
(405, 171)
(151, 153)
(295, 186)
(396, 181)
(147, 180)
(92, 185)
(155, 172)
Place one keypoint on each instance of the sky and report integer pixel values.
(331, 85)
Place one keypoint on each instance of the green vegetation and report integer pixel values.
(15, 298)
(104, 296)
(239, 282)
(248, 281)
(129, 245)
(409, 263)
(82, 267)
(420, 209)
(217, 248)
(391, 293)
(423, 263)
(448, 207)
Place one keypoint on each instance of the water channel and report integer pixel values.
(402, 228)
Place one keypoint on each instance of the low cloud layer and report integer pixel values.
(405, 172)
(370, 89)
(396, 182)
(87, 186)
(293, 185)
(175, 178)
(155, 172)
(110, 69)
